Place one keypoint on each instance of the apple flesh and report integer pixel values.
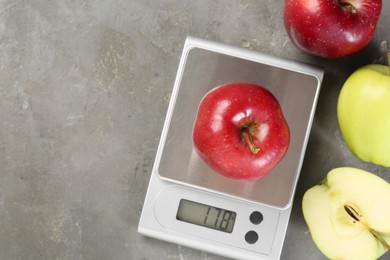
(331, 28)
(363, 112)
(348, 214)
(240, 131)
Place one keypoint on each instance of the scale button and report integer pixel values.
(251, 237)
(256, 217)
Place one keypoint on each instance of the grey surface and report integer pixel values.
(84, 89)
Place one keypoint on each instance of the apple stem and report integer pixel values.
(348, 6)
(380, 238)
(247, 137)
(357, 217)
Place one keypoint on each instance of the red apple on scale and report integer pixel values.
(331, 28)
(240, 131)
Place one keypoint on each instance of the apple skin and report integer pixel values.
(363, 111)
(348, 214)
(240, 131)
(331, 28)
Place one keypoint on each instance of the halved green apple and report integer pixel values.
(348, 214)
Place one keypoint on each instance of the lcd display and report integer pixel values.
(206, 216)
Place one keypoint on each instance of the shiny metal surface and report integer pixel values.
(295, 86)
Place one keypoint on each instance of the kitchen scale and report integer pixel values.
(189, 204)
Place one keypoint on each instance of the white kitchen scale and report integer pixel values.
(189, 204)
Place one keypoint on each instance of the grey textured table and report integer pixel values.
(84, 90)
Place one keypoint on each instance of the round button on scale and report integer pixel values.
(256, 217)
(251, 237)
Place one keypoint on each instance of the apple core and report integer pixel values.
(348, 215)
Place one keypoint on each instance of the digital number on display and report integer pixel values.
(206, 216)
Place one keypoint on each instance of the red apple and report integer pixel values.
(331, 28)
(240, 131)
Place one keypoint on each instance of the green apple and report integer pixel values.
(348, 214)
(363, 112)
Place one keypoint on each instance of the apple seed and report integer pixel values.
(352, 212)
(358, 217)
